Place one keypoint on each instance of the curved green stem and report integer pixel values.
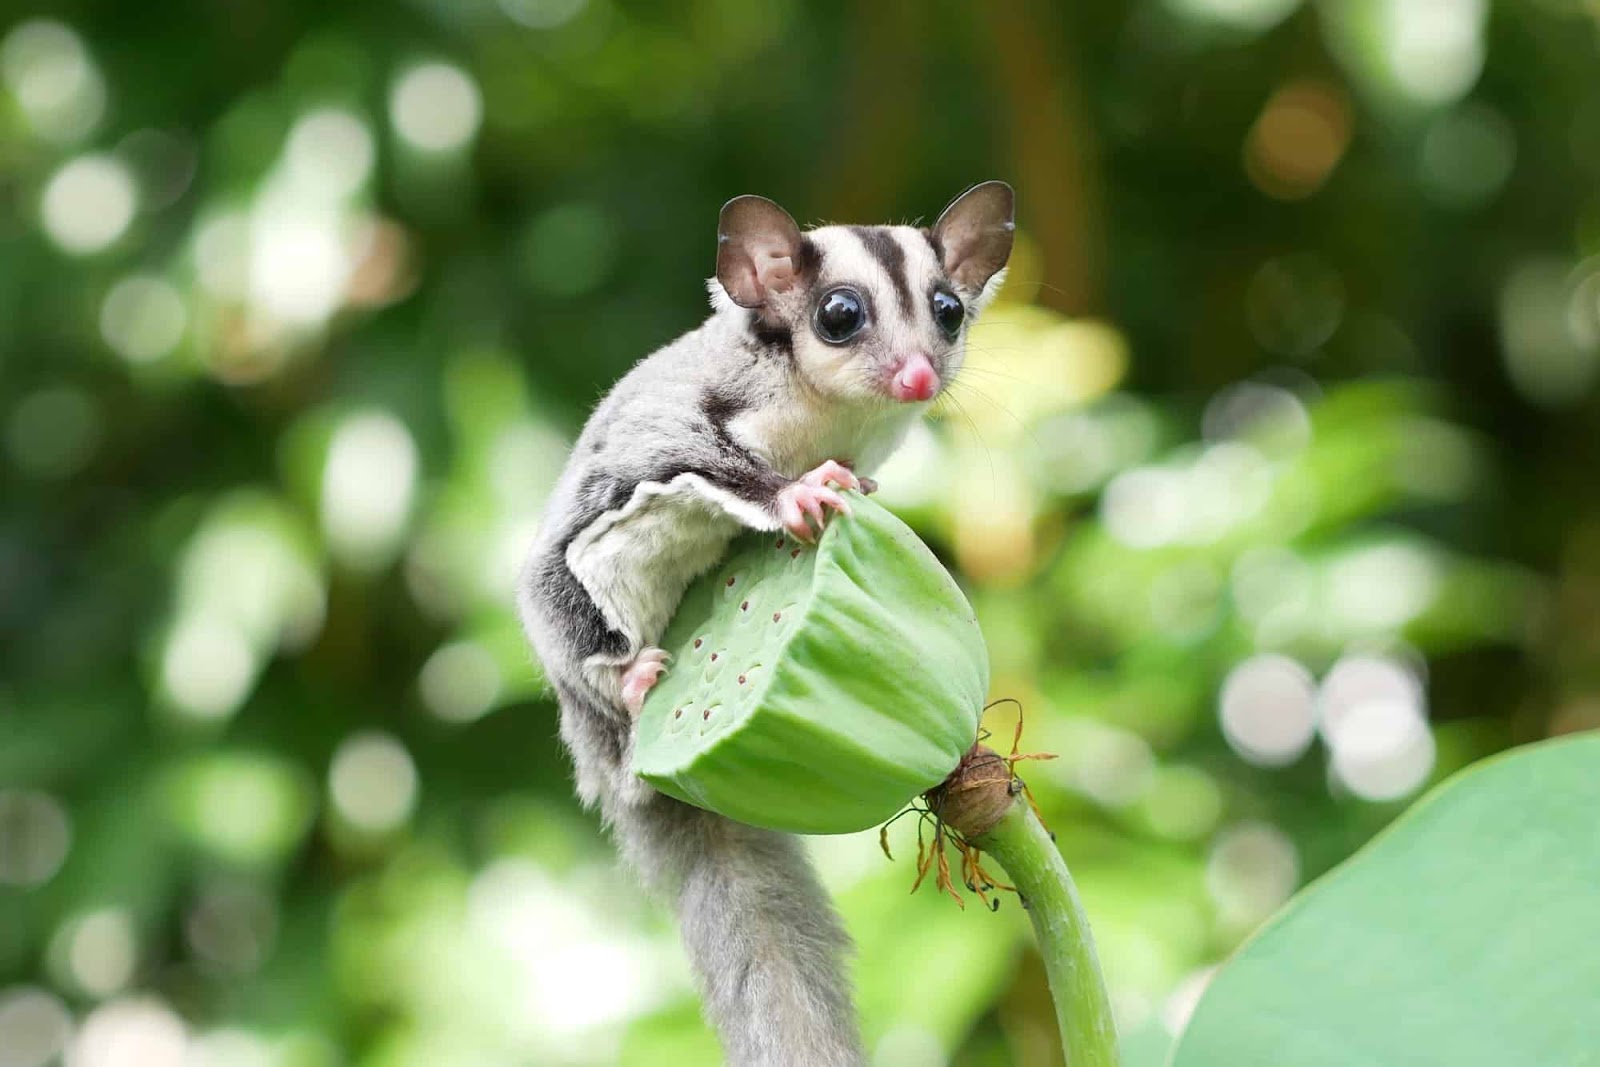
(1023, 846)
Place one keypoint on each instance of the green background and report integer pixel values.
(1286, 422)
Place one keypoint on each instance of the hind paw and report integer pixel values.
(640, 676)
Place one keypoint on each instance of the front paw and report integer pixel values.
(800, 504)
(831, 471)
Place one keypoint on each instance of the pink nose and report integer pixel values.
(915, 380)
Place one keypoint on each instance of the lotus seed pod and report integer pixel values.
(816, 689)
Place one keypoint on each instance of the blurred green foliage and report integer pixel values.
(1272, 477)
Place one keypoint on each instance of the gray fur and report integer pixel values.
(759, 932)
(694, 444)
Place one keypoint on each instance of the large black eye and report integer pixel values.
(840, 316)
(948, 312)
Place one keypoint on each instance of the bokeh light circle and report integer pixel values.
(436, 107)
(373, 782)
(1267, 710)
(88, 204)
(460, 682)
(143, 318)
(132, 1032)
(35, 835)
(34, 1027)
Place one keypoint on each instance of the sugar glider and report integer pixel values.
(823, 346)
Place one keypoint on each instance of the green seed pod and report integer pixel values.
(816, 689)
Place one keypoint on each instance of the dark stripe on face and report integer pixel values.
(935, 244)
(808, 263)
(881, 246)
(776, 338)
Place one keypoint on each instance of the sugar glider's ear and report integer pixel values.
(758, 250)
(973, 234)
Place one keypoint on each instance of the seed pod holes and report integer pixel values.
(829, 684)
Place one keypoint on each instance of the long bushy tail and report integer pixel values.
(761, 934)
(759, 929)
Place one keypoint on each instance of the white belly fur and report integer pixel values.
(796, 438)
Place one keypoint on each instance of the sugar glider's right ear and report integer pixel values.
(758, 250)
(974, 234)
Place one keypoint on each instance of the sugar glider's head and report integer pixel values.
(867, 313)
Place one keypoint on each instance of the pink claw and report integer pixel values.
(832, 471)
(801, 503)
(640, 676)
(806, 501)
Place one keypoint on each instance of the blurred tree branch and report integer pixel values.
(1056, 151)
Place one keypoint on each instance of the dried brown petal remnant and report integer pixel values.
(977, 793)
(969, 803)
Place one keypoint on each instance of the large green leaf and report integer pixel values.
(1468, 933)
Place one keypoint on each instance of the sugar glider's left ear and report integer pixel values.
(758, 250)
(973, 234)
